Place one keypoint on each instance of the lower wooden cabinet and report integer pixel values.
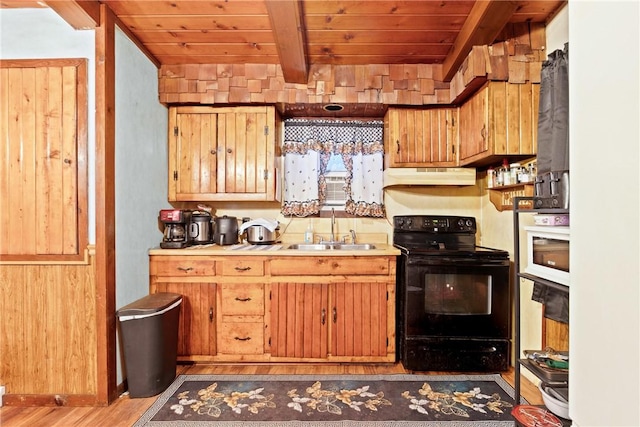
(359, 319)
(347, 321)
(197, 329)
(336, 309)
(241, 318)
(278, 309)
(300, 320)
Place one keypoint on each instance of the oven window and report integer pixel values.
(457, 294)
(552, 253)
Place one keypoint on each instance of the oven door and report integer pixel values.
(455, 297)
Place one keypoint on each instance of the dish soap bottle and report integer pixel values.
(308, 234)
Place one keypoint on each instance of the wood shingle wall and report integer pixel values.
(403, 84)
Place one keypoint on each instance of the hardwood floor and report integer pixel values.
(125, 412)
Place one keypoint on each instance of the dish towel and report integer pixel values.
(269, 224)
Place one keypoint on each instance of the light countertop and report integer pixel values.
(279, 249)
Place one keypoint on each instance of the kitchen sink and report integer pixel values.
(311, 246)
(332, 246)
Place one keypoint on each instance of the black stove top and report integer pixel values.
(440, 236)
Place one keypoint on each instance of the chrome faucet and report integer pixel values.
(353, 236)
(333, 225)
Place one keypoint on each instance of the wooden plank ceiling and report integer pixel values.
(297, 33)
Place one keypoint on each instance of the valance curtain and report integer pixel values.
(308, 147)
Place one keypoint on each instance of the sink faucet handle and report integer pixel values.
(353, 236)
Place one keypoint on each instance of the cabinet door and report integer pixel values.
(222, 154)
(299, 320)
(474, 125)
(197, 332)
(359, 319)
(426, 137)
(500, 120)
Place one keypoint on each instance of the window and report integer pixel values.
(333, 164)
(335, 177)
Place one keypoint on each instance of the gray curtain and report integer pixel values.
(553, 118)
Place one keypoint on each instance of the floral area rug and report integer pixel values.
(333, 401)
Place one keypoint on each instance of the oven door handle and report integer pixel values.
(446, 261)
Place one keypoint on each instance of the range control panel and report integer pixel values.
(435, 223)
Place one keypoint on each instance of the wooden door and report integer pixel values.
(421, 137)
(359, 319)
(474, 125)
(222, 154)
(43, 177)
(299, 320)
(197, 329)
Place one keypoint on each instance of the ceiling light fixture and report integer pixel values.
(333, 107)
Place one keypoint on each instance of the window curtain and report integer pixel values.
(307, 148)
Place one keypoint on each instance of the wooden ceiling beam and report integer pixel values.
(289, 33)
(484, 23)
(81, 15)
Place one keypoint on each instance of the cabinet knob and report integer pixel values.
(213, 152)
(229, 150)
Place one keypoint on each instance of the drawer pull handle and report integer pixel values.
(243, 299)
(243, 268)
(242, 339)
(210, 314)
(397, 146)
(323, 316)
(335, 315)
(185, 269)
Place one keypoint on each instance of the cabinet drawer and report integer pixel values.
(329, 265)
(242, 299)
(181, 266)
(241, 267)
(241, 338)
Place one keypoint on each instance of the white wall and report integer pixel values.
(41, 33)
(141, 168)
(604, 115)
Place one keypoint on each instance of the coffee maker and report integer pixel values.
(176, 228)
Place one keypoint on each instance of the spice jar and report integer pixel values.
(514, 172)
(491, 177)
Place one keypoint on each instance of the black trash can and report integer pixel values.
(149, 332)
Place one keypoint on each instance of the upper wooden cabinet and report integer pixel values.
(421, 137)
(500, 120)
(222, 153)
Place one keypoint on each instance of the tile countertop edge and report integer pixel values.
(382, 249)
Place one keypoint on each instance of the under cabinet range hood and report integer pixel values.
(429, 176)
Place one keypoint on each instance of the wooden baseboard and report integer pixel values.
(50, 400)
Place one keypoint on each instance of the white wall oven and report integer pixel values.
(454, 298)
